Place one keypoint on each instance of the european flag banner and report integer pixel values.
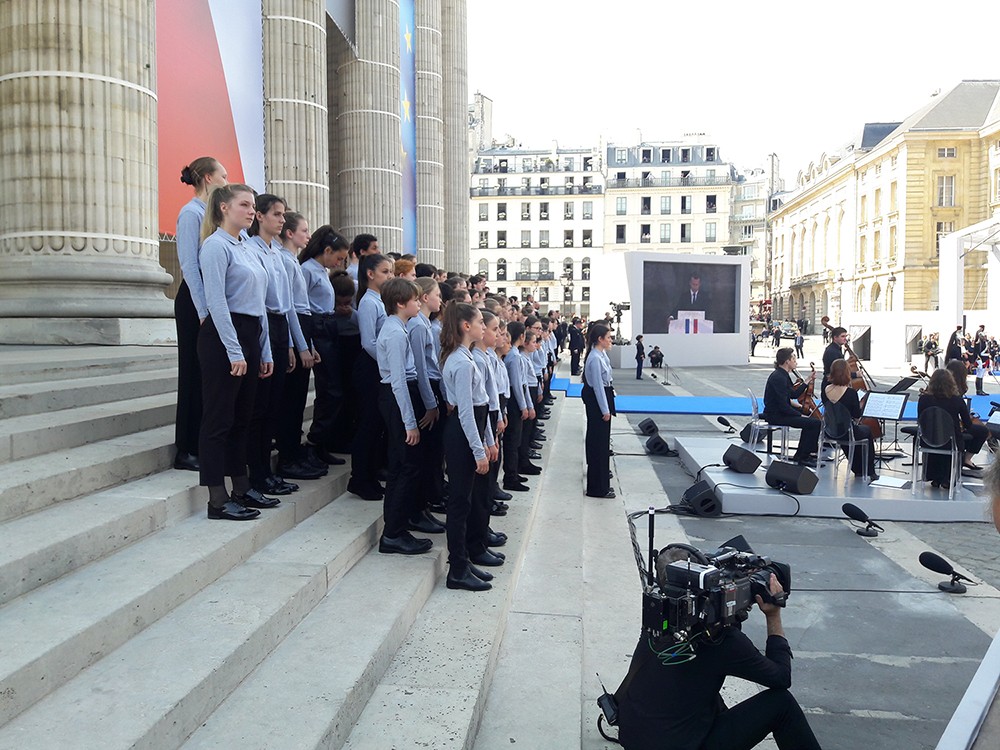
(408, 123)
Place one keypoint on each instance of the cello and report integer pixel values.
(863, 382)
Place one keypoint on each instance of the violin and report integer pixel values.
(807, 401)
(922, 375)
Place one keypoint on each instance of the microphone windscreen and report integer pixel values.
(723, 421)
(936, 563)
(855, 513)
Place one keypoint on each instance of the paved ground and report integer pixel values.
(882, 668)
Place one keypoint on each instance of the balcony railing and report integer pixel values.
(638, 182)
(535, 276)
(536, 190)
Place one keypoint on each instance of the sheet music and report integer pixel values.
(885, 405)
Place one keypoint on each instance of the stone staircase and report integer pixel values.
(130, 621)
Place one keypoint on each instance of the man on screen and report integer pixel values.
(694, 298)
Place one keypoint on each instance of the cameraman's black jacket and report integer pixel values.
(673, 708)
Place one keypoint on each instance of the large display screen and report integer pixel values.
(691, 293)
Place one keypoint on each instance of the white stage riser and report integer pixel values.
(752, 496)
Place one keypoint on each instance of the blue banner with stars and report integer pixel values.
(408, 123)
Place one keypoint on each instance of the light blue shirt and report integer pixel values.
(371, 317)
(235, 282)
(538, 361)
(597, 374)
(514, 363)
(436, 337)
(463, 383)
(396, 365)
(318, 287)
(419, 330)
(481, 358)
(500, 373)
(300, 295)
(279, 289)
(188, 247)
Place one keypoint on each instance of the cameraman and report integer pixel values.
(679, 707)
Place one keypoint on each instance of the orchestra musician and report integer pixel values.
(833, 352)
(840, 392)
(778, 409)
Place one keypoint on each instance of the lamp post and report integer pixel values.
(567, 283)
(890, 285)
(840, 297)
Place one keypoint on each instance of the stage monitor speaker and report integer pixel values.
(746, 432)
(792, 478)
(648, 427)
(700, 498)
(741, 460)
(657, 446)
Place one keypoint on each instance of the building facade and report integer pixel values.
(535, 222)
(859, 235)
(749, 230)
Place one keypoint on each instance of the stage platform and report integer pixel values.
(730, 406)
(749, 493)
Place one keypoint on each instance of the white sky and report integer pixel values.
(793, 78)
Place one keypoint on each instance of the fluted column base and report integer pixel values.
(103, 331)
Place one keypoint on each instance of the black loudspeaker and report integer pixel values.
(648, 427)
(745, 434)
(657, 446)
(700, 498)
(741, 460)
(792, 478)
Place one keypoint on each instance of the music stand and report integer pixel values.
(886, 407)
(904, 384)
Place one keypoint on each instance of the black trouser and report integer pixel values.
(267, 403)
(293, 401)
(547, 382)
(494, 471)
(432, 458)
(863, 432)
(187, 425)
(528, 430)
(404, 460)
(222, 446)
(330, 386)
(971, 441)
(574, 361)
(638, 369)
(808, 439)
(366, 454)
(746, 724)
(597, 445)
(468, 514)
(346, 424)
(512, 441)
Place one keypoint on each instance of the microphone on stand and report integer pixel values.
(726, 423)
(856, 514)
(939, 565)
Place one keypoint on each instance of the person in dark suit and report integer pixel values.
(778, 409)
(640, 356)
(833, 352)
(694, 298)
(576, 345)
(943, 392)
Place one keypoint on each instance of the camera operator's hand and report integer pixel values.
(772, 612)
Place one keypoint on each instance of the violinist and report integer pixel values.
(840, 392)
(975, 432)
(778, 408)
(833, 352)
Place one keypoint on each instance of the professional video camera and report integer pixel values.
(707, 591)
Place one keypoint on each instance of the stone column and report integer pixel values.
(365, 147)
(79, 256)
(430, 135)
(455, 90)
(296, 141)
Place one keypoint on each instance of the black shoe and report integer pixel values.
(273, 487)
(499, 494)
(530, 470)
(498, 509)
(982, 393)
(535, 456)
(301, 470)
(539, 438)
(467, 581)
(404, 544)
(496, 539)
(516, 486)
(365, 493)
(232, 511)
(425, 523)
(482, 575)
(611, 475)
(521, 479)
(253, 499)
(382, 475)
(186, 462)
(310, 460)
(437, 508)
(487, 559)
(281, 480)
(608, 494)
(808, 462)
(535, 445)
(319, 454)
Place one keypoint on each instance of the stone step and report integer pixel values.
(37, 434)
(53, 633)
(434, 691)
(22, 399)
(324, 672)
(31, 484)
(36, 364)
